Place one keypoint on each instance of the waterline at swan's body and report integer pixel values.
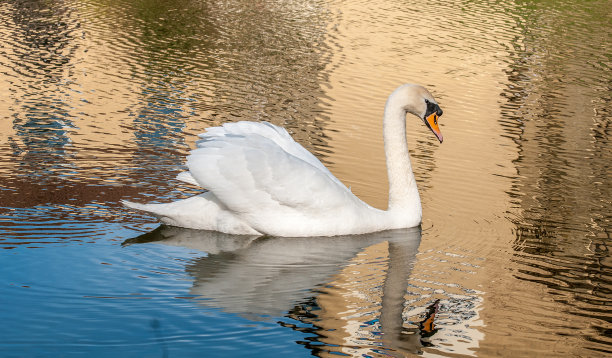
(260, 181)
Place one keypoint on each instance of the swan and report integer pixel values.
(259, 181)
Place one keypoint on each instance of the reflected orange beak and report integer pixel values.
(432, 123)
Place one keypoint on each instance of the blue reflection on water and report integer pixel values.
(69, 298)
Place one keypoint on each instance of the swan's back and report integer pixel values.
(276, 134)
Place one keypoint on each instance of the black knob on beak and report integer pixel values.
(438, 111)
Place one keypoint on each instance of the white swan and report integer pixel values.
(260, 181)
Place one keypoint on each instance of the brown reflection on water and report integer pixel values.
(557, 111)
(41, 52)
(102, 98)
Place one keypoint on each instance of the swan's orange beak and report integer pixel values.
(432, 122)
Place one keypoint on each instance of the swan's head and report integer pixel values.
(417, 100)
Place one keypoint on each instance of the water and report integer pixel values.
(101, 101)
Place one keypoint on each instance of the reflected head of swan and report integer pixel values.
(268, 275)
(260, 181)
(265, 277)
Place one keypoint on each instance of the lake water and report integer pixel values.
(102, 100)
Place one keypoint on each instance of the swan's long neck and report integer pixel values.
(403, 192)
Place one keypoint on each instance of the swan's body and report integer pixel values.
(260, 181)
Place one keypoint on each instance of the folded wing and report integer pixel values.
(276, 134)
(261, 175)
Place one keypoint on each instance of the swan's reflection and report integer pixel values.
(269, 276)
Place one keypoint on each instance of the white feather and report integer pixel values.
(186, 177)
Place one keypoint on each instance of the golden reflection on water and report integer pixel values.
(459, 203)
(465, 181)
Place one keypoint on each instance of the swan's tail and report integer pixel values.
(202, 211)
(157, 210)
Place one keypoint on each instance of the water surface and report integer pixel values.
(101, 101)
